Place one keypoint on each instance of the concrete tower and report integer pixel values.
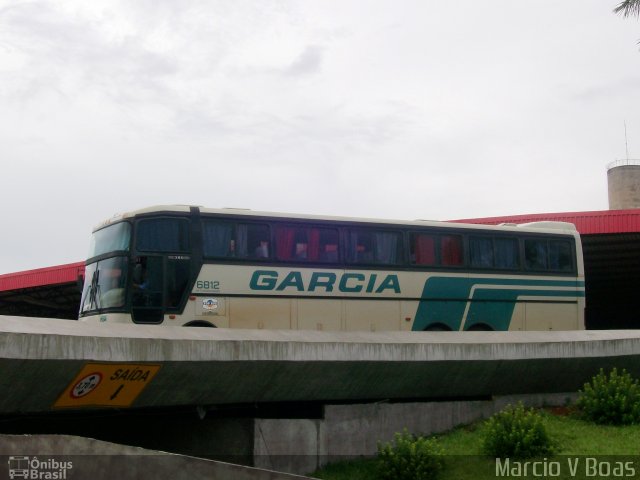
(623, 177)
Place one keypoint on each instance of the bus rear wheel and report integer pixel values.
(199, 323)
(480, 327)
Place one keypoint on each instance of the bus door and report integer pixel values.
(159, 286)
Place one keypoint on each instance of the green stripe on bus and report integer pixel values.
(444, 299)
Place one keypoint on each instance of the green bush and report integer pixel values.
(409, 458)
(613, 399)
(516, 432)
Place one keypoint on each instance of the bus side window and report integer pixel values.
(218, 239)
(163, 235)
(507, 253)
(285, 242)
(330, 254)
(359, 247)
(312, 244)
(262, 250)
(535, 254)
(375, 247)
(451, 250)
(481, 252)
(423, 249)
(252, 240)
(327, 249)
(560, 258)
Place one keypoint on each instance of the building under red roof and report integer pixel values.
(45, 292)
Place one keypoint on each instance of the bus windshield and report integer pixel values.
(114, 238)
(104, 285)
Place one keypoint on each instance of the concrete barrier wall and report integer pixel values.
(85, 458)
(351, 431)
(297, 446)
(201, 367)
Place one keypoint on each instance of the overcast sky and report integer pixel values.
(392, 109)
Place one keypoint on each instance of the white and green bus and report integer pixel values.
(227, 268)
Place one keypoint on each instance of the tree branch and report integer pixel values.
(628, 8)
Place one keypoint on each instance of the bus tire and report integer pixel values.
(437, 327)
(480, 327)
(199, 323)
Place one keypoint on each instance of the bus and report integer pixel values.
(232, 268)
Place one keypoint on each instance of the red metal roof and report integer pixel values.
(42, 277)
(598, 222)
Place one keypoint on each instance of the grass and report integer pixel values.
(574, 439)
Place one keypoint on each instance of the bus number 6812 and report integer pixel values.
(208, 285)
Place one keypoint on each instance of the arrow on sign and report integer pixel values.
(115, 394)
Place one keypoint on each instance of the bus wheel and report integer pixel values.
(480, 327)
(437, 327)
(199, 323)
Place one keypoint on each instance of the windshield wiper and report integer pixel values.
(94, 290)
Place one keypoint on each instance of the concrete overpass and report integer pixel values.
(283, 400)
(43, 360)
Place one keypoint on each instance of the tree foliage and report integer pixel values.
(410, 458)
(628, 8)
(611, 399)
(516, 432)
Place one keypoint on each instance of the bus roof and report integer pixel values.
(538, 227)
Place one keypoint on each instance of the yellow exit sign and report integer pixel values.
(107, 385)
